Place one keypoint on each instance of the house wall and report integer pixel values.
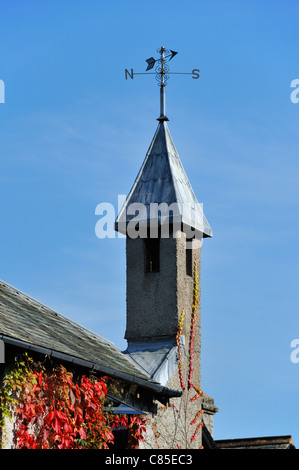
(7, 432)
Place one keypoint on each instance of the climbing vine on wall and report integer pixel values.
(191, 355)
(191, 385)
(179, 345)
(191, 391)
(52, 410)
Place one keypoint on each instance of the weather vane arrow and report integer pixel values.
(151, 61)
(162, 74)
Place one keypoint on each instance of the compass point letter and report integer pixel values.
(128, 73)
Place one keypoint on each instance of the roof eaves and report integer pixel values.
(113, 373)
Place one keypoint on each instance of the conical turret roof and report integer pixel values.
(163, 180)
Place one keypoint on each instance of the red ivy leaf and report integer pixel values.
(82, 433)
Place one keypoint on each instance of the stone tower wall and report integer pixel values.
(155, 302)
(151, 297)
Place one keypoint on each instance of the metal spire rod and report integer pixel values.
(162, 75)
(162, 87)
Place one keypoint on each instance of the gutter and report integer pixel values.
(153, 386)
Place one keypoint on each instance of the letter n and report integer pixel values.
(131, 75)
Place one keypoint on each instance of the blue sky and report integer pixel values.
(74, 132)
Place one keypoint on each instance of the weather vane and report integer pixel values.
(162, 74)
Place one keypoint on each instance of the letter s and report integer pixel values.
(195, 72)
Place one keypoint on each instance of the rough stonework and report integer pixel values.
(155, 302)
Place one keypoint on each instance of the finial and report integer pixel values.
(162, 76)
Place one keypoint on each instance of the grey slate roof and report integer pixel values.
(162, 179)
(32, 325)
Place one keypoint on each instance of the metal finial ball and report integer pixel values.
(162, 49)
